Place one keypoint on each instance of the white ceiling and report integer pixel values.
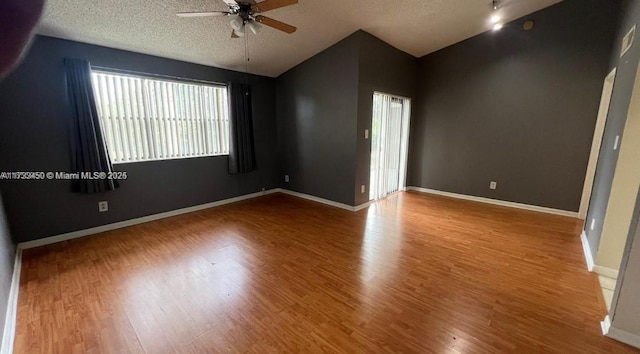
(417, 27)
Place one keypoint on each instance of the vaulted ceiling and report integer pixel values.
(417, 27)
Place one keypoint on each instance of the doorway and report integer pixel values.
(598, 133)
(389, 144)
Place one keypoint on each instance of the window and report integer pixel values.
(146, 119)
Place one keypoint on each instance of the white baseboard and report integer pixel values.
(624, 337)
(587, 251)
(136, 221)
(619, 334)
(148, 218)
(605, 325)
(362, 206)
(324, 201)
(600, 270)
(8, 336)
(540, 209)
(605, 271)
(607, 283)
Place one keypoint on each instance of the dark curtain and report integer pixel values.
(88, 148)
(242, 157)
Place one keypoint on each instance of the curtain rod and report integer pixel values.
(144, 74)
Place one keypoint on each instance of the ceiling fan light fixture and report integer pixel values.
(248, 13)
(254, 27)
(240, 31)
(236, 23)
(497, 26)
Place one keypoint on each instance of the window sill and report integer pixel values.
(166, 159)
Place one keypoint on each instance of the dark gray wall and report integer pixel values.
(386, 69)
(317, 103)
(34, 116)
(7, 259)
(515, 107)
(324, 107)
(618, 110)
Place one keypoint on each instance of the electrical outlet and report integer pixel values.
(263, 189)
(593, 223)
(286, 178)
(362, 188)
(103, 206)
(493, 185)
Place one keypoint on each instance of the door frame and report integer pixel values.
(404, 140)
(404, 144)
(598, 133)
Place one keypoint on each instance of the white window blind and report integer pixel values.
(150, 119)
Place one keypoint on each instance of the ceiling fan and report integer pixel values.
(246, 13)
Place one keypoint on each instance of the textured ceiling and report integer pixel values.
(417, 27)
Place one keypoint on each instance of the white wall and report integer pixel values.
(625, 311)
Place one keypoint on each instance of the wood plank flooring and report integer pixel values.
(413, 273)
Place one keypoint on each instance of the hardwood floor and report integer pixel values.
(413, 273)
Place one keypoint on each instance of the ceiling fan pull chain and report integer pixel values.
(246, 52)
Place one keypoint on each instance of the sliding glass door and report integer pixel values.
(389, 142)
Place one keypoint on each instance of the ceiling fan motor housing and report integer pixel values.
(245, 11)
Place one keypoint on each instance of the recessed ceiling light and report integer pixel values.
(497, 26)
(495, 19)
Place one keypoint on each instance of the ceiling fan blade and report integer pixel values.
(268, 21)
(269, 5)
(202, 14)
(231, 2)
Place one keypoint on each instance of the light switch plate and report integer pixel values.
(627, 41)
